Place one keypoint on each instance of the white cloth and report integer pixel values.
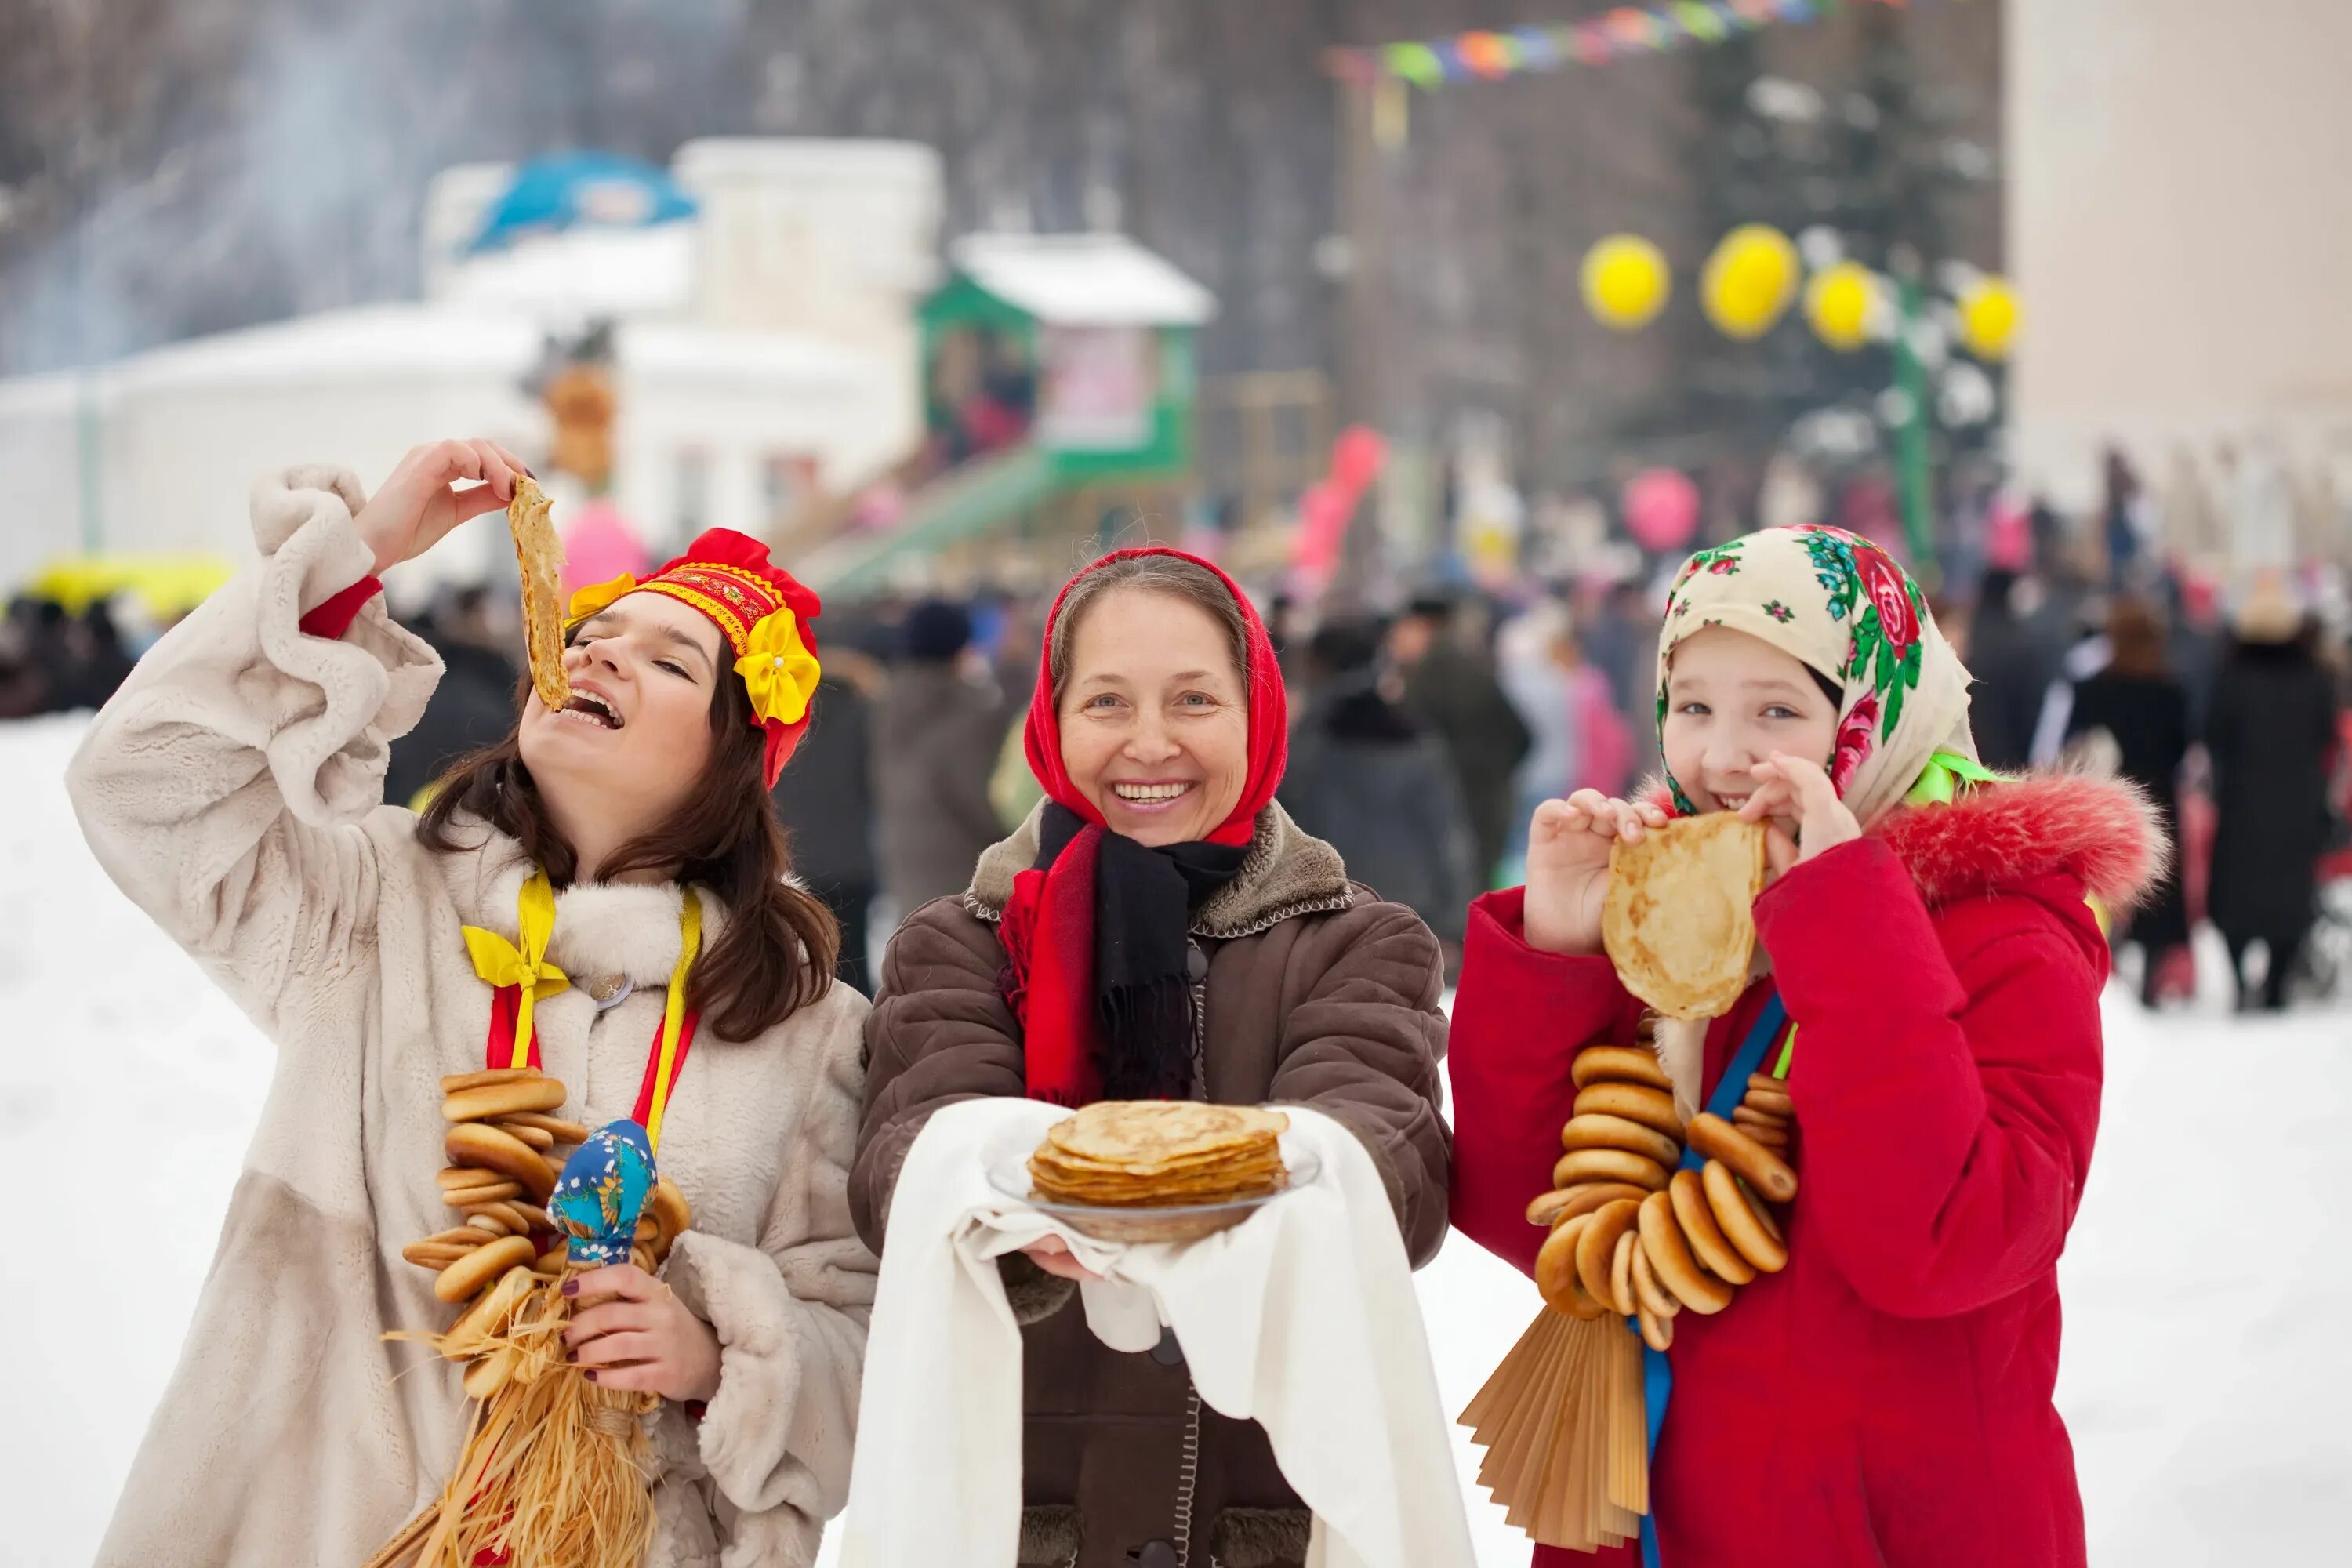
(1302, 1318)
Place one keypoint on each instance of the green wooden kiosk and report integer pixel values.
(1051, 365)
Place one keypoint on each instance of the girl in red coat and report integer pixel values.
(1933, 935)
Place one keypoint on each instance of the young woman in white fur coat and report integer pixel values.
(234, 789)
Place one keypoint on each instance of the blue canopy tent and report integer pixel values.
(576, 190)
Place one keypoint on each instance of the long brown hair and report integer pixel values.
(2136, 639)
(777, 953)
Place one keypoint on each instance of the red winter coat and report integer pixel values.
(1886, 1399)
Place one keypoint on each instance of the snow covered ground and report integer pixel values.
(2208, 1284)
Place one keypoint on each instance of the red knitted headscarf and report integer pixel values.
(1091, 931)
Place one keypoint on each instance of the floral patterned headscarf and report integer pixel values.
(1840, 604)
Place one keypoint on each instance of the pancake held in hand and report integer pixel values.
(541, 556)
(1679, 922)
(1160, 1153)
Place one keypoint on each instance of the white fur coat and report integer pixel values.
(233, 788)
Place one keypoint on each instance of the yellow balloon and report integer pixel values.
(1838, 302)
(1988, 316)
(1749, 281)
(1625, 281)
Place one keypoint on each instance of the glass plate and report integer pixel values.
(1009, 1175)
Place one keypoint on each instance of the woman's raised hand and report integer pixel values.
(1568, 866)
(420, 501)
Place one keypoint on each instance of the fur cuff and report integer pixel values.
(1261, 1537)
(1032, 1293)
(289, 497)
(341, 702)
(735, 1290)
(1050, 1538)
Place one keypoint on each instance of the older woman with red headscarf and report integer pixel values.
(1158, 928)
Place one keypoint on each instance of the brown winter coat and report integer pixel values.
(1315, 992)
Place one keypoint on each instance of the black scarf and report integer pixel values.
(1144, 901)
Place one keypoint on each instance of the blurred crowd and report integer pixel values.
(1424, 733)
(1423, 738)
(53, 660)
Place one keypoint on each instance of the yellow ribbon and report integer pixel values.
(587, 601)
(778, 669)
(689, 943)
(500, 963)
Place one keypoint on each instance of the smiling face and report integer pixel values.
(1732, 701)
(1154, 717)
(634, 742)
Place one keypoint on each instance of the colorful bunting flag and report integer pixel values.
(1634, 29)
(1490, 55)
(1415, 63)
(1649, 29)
(1539, 48)
(1591, 44)
(1701, 22)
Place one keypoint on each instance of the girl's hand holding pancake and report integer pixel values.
(1568, 866)
(1807, 817)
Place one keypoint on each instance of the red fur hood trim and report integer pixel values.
(2100, 832)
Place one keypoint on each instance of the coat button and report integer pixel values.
(1155, 1554)
(1168, 1353)
(1196, 961)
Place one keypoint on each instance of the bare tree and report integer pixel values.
(177, 168)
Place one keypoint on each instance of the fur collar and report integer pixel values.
(1287, 872)
(2097, 830)
(602, 929)
(2100, 832)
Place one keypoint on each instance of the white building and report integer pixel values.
(2179, 209)
(766, 343)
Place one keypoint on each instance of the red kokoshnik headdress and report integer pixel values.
(763, 611)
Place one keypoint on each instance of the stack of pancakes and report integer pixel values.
(1159, 1154)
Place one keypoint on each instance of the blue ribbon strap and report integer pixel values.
(1657, 1372)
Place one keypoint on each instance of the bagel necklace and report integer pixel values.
(543, 1200)
(1648, 1218)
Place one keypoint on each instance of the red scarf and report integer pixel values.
(1048, 927)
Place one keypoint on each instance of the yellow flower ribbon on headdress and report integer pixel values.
(502, 964)
(778, 669)
(587, 601)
